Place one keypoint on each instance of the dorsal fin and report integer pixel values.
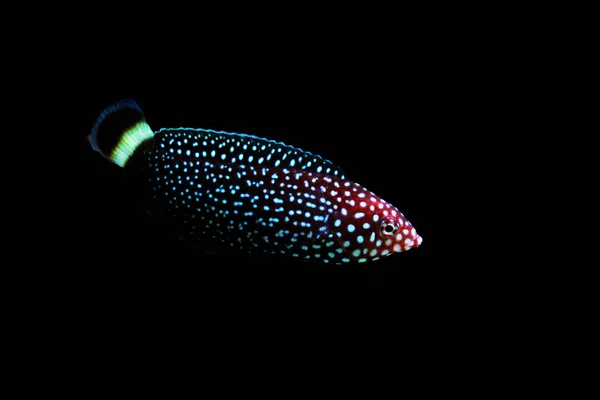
(242, 148)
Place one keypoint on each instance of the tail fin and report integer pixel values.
(119, 131)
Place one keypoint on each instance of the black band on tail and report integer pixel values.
(119, 130)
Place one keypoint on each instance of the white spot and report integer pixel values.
(212, 153)
(277, 163)
(408, 242)
(372, 237)
(346, 193)
(363, 204)
(397, 248)
(359, 215)
(344, 211)
(346, 244)
(356, 253)
(337, 223)
(405, 231)
(378, 244)
(384, 252)
(350, 228)
(388, 242)
(366, 225)
(360, 239)
(373, 252)
(361, 195)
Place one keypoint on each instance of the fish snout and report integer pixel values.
(408, 238)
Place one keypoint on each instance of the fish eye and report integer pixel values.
(388, 228)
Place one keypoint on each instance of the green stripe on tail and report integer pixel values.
(119, 131)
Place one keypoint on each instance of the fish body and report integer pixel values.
(251, 194)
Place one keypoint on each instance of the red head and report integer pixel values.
(368, 227)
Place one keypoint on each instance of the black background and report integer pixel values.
(398, 99)
(383, 105)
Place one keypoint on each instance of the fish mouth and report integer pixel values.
(418, 241)
(412, 243)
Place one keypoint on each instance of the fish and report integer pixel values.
(245, 193)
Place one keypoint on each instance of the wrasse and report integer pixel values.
(251, 194)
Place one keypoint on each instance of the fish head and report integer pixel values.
(368, 227)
